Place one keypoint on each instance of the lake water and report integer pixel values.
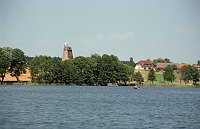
(84, 107)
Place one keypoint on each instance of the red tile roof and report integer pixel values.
(144, 62)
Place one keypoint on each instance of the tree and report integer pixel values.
(107, 72)
(185, 74)
(167, 60)
(189, 73)
(168, 74)
(125, 73)
(160, 60)
(195, 75)
(151, 76)
(131, 62)
(5, 58)
(95, 66)
(85, 72)
(111, 70)
(94, 70)
(138, 77)
(44, 69)
(198, 62)
(174, 67)
(69, 72)
(18, 63)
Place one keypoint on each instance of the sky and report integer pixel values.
(142, 29)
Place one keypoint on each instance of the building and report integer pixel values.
(67, 52)
(197, 66)
(144, 65)
(162, 66)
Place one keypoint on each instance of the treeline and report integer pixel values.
(93, 70)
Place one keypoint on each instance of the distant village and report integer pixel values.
(160, 65)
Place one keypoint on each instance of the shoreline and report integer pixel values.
(61, 84)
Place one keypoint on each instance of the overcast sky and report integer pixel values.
(142, 29)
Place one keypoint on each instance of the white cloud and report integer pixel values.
(112, 37)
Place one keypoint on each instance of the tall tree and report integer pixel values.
(43, 69)
(195, 75)
(131, 62)
(168, 74)
(85, 72)
(95, 66)
(69, 72)
(124, 73)
(167, 60)
(152, 76)
(138, 77)
(107, 71)
(5, 59)
(189, 73)
(18, 63)
(185, 74)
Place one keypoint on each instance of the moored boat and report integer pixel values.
(136, 87)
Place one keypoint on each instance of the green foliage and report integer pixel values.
(138, 77)
(130, 63)
(94, 70)
(174, 67)
(44, 69)
(160, 60)
(13, 61)
(18, 63)
(69, 73)
(152, 76)
(195, 75)
(168, 74)
(5, 61)
(84, 71)
(108, 66)
(167, 60)
(190, 73)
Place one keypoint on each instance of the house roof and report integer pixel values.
(163, 65)
(144, 62)
(181, 65)
(197, 66)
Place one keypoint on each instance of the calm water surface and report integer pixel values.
(71, 107)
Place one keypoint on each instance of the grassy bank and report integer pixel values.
(160, 81)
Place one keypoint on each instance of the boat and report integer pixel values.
(136, 87)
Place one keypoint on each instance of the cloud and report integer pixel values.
(112, 37)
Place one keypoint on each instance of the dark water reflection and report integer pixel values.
(56, 107)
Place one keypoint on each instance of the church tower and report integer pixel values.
(67, 53)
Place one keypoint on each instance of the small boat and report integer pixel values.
(136, 87)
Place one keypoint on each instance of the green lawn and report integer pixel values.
(160, 80)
